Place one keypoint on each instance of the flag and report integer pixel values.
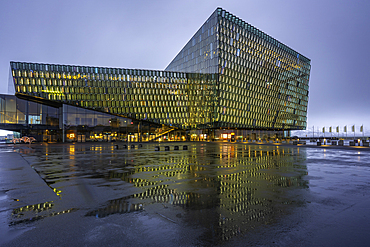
(345, 129)
(353, 128)
(330, 129)
(323, 129)
(338, 129)
(362, 128)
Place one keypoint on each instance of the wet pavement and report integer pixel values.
(213, 194)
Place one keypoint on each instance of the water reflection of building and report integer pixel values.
(231, 81)
(226, 188)
(31, 213)
(247, 198)
(229, 189)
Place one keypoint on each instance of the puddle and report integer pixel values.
(24, 220)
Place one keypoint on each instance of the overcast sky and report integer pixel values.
(145, 34)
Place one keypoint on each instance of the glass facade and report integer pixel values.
(261, 83)
(229, 75)
(18, 111)
(181, 100)
(75, 124)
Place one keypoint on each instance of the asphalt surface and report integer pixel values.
(213, 194)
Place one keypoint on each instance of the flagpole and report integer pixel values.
(338, 131)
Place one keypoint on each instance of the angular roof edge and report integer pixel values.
(238, 21)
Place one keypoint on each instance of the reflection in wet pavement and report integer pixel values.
(228, 189)
(118, 206)
(225, 189)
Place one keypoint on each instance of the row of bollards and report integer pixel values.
(167, 148)
(126, 146)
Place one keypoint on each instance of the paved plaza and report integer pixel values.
(210, 194)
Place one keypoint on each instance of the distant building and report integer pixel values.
(230, 82)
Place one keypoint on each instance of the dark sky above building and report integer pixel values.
(145, 34)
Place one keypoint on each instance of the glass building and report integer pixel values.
(230, 82)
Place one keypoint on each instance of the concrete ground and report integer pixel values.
(213, 194)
